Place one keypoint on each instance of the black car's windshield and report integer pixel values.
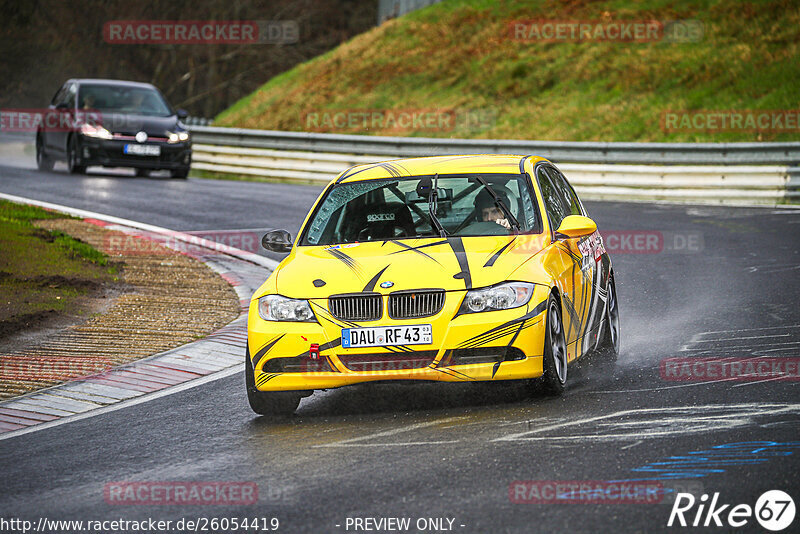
(377, 210)
(123, 99)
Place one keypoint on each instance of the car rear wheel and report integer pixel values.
(73, 158)
(42, 161)
(270, 403)
(555, 350)
(609, 346)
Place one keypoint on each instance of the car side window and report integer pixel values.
(69, 98)
(566, 191)
(554, 203)
(59, 96)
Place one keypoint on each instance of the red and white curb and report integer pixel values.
(219, 355)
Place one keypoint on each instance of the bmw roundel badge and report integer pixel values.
(386, 285)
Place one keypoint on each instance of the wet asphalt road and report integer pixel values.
(724, 283)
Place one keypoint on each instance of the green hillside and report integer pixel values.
(458, 59)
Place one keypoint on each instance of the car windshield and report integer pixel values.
(123, 99)
(378, 210)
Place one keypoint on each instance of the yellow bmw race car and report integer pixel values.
(451, 268)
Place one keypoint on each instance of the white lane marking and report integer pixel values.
(750, 329)
(352, 442)
(700, 383)
(738, 338)
(760, 381)
(665, 422)
(397, 444)
(181, 236)
(632, 445)
(126, 403)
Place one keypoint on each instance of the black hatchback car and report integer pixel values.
(113, 123)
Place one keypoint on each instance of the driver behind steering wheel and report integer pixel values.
(489, 211)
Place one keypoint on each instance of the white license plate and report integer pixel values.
(385, 336)
(143, 150)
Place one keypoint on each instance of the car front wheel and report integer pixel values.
(73, 158)
(270, 403)
(554, 378)
(42, 161)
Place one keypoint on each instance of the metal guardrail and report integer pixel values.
(729, 173)
(556, 151)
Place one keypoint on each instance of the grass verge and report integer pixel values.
(459, 56)
(43, 273)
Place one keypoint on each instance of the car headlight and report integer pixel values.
(177, 137)
(278, 308)
(500, 297)
(97, 131)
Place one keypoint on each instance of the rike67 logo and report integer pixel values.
(774, 511)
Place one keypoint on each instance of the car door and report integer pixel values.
(587, 285)
(563, 261)
(65, 117)
(50, 120)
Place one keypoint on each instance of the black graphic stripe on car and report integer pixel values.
(499, 252)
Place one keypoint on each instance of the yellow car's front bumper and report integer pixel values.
(496, 345)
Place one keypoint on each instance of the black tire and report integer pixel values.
(609, 344)
(142, 173)
(180, 173)
(269, 403)
(555, 362)
(43, 163)
(73, 158)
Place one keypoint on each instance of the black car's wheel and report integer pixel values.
(609, 345)
(180, 173)
(555, 350)
(42, 161)
(273, 403)
(73, 157)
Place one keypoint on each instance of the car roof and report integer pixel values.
(121, 83)
(471, 163)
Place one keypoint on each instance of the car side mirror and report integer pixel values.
(182, 114)
(576, 226)
(277, 241)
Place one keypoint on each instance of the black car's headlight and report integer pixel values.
(278, 308)
(500, 297)
(177, 137)
(96, 131)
